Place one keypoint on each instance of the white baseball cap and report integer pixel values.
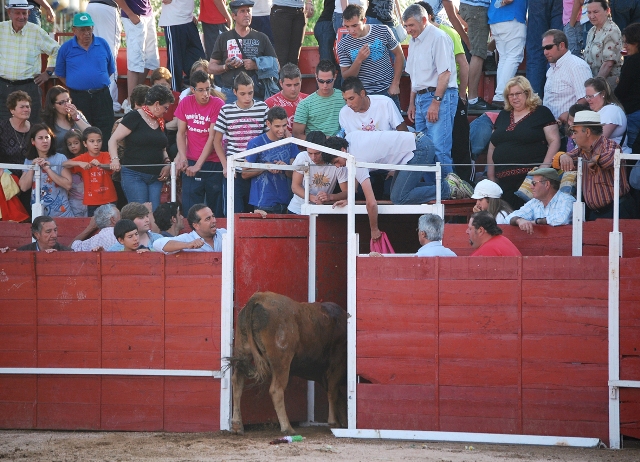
(487, 188)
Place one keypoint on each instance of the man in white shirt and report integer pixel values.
(105, 218)
(368, 113)
(434, 89)
(565, 77)
(205, 236)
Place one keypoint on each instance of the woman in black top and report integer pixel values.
(526, 135)
(145, 148)
(628, 90)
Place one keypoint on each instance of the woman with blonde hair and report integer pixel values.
(526, 135)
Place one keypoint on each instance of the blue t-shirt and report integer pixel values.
(269, 189)
(85, 69)
(54, 199)
(516, 10)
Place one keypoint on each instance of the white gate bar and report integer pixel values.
(383, 209)
(311, 297)
(625, 383)
(226, 329)
(578, 215)
(174, 177)
(462, 437)
(99, 371)
(352, 252)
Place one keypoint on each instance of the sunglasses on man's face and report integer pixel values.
(325, 81)
(549, 47)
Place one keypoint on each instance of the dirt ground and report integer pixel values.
(319, 445)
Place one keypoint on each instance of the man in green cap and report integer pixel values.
(548, 206)
(84, 64)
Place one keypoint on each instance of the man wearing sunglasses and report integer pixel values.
(548, 206)
(320, 110)
(565, 77)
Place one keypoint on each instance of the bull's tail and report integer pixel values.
(261, 370)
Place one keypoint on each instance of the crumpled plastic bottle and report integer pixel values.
(287, 439)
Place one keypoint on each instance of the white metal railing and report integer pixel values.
(615, 253)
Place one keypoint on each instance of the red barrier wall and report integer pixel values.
(508, 345)
(108, 310)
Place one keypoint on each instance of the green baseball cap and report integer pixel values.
(82, 20)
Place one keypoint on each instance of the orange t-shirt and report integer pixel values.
(98, 185)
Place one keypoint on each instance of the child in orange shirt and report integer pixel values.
(94, 168)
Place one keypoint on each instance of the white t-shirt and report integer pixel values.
(389, 147)
(363, 3)
(612, 114)
(323, 179)
(501, 218)
(261, 8)
(382, 115)
(176, 13)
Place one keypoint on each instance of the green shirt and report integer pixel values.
(457, 44)
(319, 113)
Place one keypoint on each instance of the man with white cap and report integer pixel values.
(487, 195)
(20, 65)
(85, 64)
(597, 153)
(548, 206)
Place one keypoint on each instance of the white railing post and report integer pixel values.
(352, 252)
(173, 182)
(36, 208)
(578, 214)
(226, 331)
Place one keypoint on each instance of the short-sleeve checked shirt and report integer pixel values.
(559, 210)
(20, 51)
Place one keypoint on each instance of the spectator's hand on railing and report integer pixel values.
(525, 225)
(98, 249)
(50, 250)
(375, 254)
(192, 170)
(195, 244)
(566, 163)
(340, 203)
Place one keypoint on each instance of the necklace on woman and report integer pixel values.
(21, 140)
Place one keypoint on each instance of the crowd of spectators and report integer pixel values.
(580, 99)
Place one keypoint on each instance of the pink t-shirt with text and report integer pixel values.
(199, 119)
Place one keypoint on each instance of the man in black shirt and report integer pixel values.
(235, 51)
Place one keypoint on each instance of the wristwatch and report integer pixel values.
(437, 98)
(49, 73)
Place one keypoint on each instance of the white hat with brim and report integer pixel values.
(18, 5)
(587, 118)
(487, 188)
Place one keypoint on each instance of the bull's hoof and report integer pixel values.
(288, 431)
(237, 428)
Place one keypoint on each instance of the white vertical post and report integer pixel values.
(352, 253)
(307, 185)
(36, 208)
(578, 215)
(615, 245)
(311, 385)
(173, 182)
(226, 333)
(226, 330)
(438, 184)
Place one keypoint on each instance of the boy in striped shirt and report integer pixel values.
(238, 123)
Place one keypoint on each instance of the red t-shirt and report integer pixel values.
(287, 105)
(98, 186)
(209, 13)
(168, 116)
(497, 246)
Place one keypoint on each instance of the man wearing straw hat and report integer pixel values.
(597, 153)
(20, 65)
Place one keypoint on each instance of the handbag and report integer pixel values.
(382, 245)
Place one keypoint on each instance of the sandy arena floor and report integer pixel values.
(319, 445)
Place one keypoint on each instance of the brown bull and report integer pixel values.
(279, 337)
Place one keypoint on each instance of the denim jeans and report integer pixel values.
(337, 21)
(543, 15)
(241, 195)
(204, 186)
(395, 98)
(230, 96)
(141, 187)
(439, 132)
(480, 131)
(575, 35)
(407, 187)
(326, 37)
(35, 16)
(633, 127)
